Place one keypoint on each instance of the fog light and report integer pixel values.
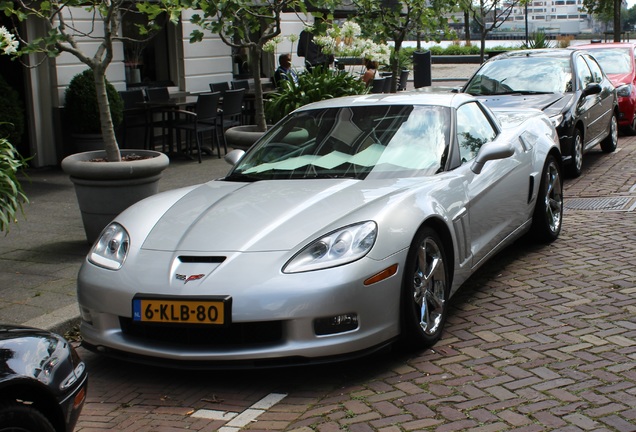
(336, 324)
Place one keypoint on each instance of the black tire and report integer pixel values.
(548, 209)
(576, 163)
(609, 144)
(16, 417)
(425, 303)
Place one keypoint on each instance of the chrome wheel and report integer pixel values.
(548, 211)
(429, 286)
(553, 197)
(610, 143)
(576, 162)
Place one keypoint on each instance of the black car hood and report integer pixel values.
(550, 103)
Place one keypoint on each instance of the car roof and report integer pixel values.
(539, 52)
(414, 97)
(604, 45)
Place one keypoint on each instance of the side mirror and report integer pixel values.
(491, 152)
(592, 89)
(234, 156)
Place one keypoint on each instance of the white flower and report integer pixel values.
(327, 43)
(7, 42)
(350, 29)
(292, 37)
(270, 45)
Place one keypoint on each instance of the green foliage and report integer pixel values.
(314, 86)
(11, 195)
(81, 103)
(11, 112)
(539, 40)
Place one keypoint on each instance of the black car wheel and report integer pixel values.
(610, 143)
(15, 417)
(576, 164)
(548, 210)
(425, 289)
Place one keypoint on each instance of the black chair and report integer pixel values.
(404, 79)
(135, 114)
(377, 85)
(158, 94)
(219, 87)
(232, 111)
(241, 84)
(196, 123)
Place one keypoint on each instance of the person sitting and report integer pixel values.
(369, 74)
(284, 71)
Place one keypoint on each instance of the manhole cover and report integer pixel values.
(608, 204)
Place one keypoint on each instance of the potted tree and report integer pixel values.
(63, 35)
(82, 113)
(247, 25)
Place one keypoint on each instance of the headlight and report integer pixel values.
(337, 248)
(111, 249)
(556, 119)
(624, 90)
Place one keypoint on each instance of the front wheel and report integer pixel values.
(15, 417)
(425, 289)
(576, 164)
(548, 210)
(610, 143)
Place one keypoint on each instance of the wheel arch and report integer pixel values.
(36, 397)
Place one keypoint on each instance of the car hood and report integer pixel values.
(551, 103)
(263, 215)
(620, 79)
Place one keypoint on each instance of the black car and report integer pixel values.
(42, 381)
(568, 85)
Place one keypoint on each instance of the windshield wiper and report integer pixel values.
(522, 92)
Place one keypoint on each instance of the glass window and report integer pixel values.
(473, 130)
(583, 72)
(595, 69)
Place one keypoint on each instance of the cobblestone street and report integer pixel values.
(542, 338)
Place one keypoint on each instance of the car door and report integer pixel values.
(497, 197)
(606, 97)
(590, 108)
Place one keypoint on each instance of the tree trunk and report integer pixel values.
(259, 106)
(467, 27)
(617, 20)
(108, 130)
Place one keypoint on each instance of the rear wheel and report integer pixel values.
(610, 143)
(425, 289)
(548, 210)
(15, 417)
(576, 163)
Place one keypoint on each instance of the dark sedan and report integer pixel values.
(618, 60)
(568, 85)
(42, 381)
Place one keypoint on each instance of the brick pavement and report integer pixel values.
(542, 338)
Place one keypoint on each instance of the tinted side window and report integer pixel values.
(473, 130)
(583, 72)
(595, 69)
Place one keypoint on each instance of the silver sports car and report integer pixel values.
(347, 226)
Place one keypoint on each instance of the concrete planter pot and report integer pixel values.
(105, 189)
(242, 137)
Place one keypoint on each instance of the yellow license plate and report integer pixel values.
(186, 311)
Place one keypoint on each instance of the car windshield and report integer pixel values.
(379, 141)
(522, 74)
(613, 60)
